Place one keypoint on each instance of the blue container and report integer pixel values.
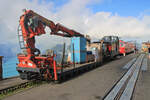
(79, 49)
(9, 68)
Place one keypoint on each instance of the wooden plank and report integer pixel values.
(77, 66)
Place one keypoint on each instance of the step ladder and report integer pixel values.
(20, 38)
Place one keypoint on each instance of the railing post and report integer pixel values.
(63, 57)
(1, 68)
(73, 57)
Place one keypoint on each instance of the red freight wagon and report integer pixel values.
(122, 47)
(130, 47)
(126, 47)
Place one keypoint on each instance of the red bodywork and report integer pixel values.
(121, 47)
(33, 25)
(126, 47)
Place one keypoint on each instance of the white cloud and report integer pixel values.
(73, 14)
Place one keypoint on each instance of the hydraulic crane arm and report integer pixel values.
(32, 64)
(32, 24)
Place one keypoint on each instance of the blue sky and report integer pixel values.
(121, 7)
(58, 2)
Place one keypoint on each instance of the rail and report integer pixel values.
(123, 89)
(19, 87)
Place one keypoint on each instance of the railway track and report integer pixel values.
(124, 88)
(4, 92)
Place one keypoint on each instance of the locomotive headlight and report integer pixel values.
(23, 62)
(29, 64)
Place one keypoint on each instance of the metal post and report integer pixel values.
(73, 57)
(1, 68)
(63, 57)
(55, 71)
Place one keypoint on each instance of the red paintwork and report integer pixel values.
(110, 48)
(29, 32)
(121, 47)
(55, 70)
(126, 47)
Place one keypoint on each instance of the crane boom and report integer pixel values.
(33, 24)
(36, 22)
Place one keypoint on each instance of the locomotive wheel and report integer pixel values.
(22, 76)
(25, 76)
